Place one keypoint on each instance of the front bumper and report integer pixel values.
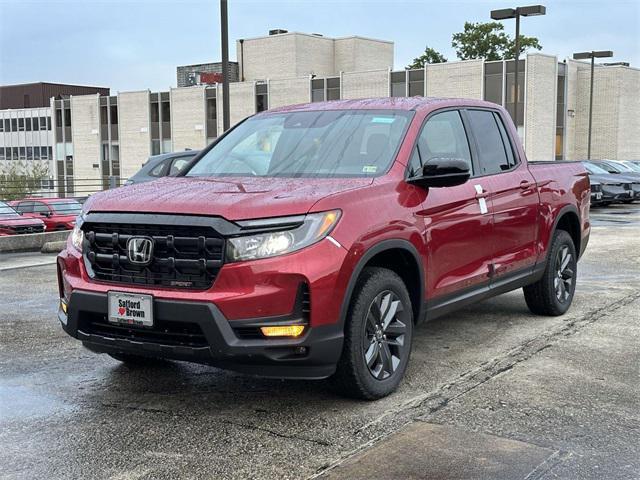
(313, 355)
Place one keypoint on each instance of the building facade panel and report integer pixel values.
(288, 91)
(628, 113)
(188, 118)
(455, 79)
(85, 124)
(356, 54)
(374, 83)
(242, 101)
(540, 106)
(267, 57)
(134, 132)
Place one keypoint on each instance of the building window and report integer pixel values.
(114, 114)
(493, 79)
(399, 84)
(416, 83)
(14, 124)
(29, 153)
(7, 125)
(511, 90)
(44, 123)
(212, 114)
(333, 88)
(21, 124)
(2, 153)
(23, 152)
(15, 153)
(262, 97)
(317, 90)
(36, 124)
(1, 126)
(27, 122)
(561, 106)
(36, 153)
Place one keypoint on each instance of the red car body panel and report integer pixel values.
(9, 223)
(55, 220)
(457, 247)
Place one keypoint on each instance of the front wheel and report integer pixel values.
(553, 293)
(378, 334)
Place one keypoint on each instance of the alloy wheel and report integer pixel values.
(563, 281)
(384, 335)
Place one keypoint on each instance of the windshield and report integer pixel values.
(7, 211)
(336, 143)
(594, 169)
(633, 166)
(67, 207)
(617, 167)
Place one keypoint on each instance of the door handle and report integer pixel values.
(525, 184)
(481, 192)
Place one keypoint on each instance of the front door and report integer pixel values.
(458, 219)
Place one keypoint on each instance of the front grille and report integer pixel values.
(22, 229)
(183, 256)
(163, 332)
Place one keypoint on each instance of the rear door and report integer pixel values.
(513, 194)
(458, 219)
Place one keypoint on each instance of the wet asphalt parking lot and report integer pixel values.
(492, 391)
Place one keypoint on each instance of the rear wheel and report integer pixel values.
(378, 334)
(553, 293)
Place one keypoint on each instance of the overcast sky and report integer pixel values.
(136, 44)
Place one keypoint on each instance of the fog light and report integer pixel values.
(283, 331)
(63, 306)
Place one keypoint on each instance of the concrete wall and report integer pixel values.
(357, 54)
(456, 79)
(134, 131)
(30, 241)
(188, 118)
(296, 54)
(628, 113)
(288, 91)
(242, 102)
(374, 83)
(85, 124)
(540, 106)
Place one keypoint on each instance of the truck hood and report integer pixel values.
(233, 198)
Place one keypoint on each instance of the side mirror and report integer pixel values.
(443, 172)
(45, 214)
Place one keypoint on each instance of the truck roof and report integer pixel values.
(386, 103)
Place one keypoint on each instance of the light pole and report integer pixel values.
(224, 32)
(592, 55)
(504, 14)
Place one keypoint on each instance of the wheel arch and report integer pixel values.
(399, 256)
(569, 221)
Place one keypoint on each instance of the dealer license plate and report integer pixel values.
(598, 195)
(131, 309)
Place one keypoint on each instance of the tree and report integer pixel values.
(430, 55)
(488, 41)
(18, 180)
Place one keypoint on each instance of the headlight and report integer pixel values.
(77, 236)
(309, 229)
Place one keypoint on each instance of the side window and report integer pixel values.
(491, 150)
(508, 147)
(39, 207)
(178, 164)
(25, 207)
(443, 136)
(158, 169)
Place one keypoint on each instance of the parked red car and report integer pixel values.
(308, 241)
(56, 213)
(11, 223)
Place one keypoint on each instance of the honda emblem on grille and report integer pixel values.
(140, 250)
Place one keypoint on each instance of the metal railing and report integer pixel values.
(17, 188)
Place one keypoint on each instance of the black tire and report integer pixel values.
(380, 297)
(137, 360)
(553, 293)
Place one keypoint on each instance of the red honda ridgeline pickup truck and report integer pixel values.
(308, 241)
